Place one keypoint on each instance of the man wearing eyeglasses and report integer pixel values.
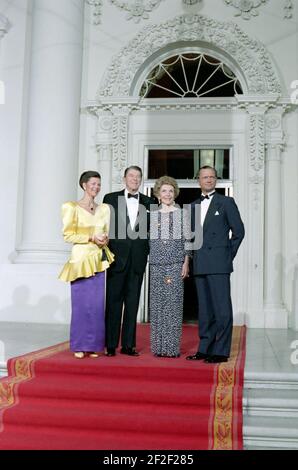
(223, 232)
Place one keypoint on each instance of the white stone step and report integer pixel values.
(264, 432)
(277, 380)
(270, 402)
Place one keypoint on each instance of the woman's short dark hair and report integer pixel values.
(85, 177)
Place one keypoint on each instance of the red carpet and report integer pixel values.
(51, 400)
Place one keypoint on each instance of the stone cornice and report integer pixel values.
(250, 103)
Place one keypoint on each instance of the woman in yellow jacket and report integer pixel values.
(86, 225)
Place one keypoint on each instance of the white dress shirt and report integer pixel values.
(132, 208)
(205, 206)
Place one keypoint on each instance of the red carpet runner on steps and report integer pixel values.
(51, 400)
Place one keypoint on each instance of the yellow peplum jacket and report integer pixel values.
(79, 225)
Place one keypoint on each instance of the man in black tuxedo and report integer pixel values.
(129, 243)
(212, 266)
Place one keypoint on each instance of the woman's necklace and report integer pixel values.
(89, 205)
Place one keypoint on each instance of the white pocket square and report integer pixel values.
(216, 213)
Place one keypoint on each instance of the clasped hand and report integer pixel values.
(101, 240)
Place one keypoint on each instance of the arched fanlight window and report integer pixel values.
(190, 75)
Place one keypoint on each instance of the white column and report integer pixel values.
(51, 164)
(275, 312)
(4, 27)
(294, 319)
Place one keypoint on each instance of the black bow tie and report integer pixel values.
(202, 197)
(136, 196)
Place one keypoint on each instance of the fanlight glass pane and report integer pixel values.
(190, 76)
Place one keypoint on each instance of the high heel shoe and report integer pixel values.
(79, 354)
(93, 354)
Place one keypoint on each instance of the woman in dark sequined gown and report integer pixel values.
(169, 266)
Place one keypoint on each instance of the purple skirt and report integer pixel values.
(87, 328)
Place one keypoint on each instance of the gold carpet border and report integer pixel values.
(223, 397)
(23, 371)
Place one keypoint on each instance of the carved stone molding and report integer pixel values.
(97, 10)
(257, 141)
(249, 8)
(119, 143)
(288, 9)
(274, 134)
(257, 156)
(137, 9)
(251, 55)
(140, 9)
(273, 122)
(190, 2)
(246, 8)
(106, 122)
(97, 108)
(4, 25)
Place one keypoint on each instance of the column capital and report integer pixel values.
(274, 135)
(257, 104)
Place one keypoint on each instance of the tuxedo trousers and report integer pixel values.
(215, 314)
(122, 303)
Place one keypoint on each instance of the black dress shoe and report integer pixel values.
(111, 352)
(129, 351)
(197, 357)
(216, 359)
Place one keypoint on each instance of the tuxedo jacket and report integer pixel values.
(125, 242)
(218, 250)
